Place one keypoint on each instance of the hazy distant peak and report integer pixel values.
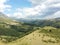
(2, 15)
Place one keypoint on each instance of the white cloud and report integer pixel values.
(52, 7)
(4, 6)
(33, 11)
(56, 5)
(18, 15)
(40, 9)
(57, 14)
(8, 15)
(47, 2)
(37, 2)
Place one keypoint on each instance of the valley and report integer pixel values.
(34, 32)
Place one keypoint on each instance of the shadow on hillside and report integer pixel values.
(14, 32)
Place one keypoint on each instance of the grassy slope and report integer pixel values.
(38, 37)
(34, 38)
(8, 31)
(11, 30)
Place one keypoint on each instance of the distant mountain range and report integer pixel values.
(26, 20)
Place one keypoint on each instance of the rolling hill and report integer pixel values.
(41, 36)
(11, 30)
(32, 32)
(41, 23)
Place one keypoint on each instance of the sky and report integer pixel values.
(32, 9)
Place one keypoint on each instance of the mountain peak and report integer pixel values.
(2, 15)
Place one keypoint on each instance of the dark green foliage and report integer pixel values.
(13, 32)
(42, 23)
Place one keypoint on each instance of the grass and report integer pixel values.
(51, 32)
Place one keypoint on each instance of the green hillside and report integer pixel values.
(42, 36)
(11, 30)
(42, 23)
(41, 32)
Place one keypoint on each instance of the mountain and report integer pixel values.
(27, 20)
(6, 19)
(57, 19)
(29, 31)
(41, 36)
(11, 30)
(2, 15)
(41, 23)
(6, 30)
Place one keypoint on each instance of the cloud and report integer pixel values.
(39, 9)
(18, 15)
(51, 8)
(28, 12)
(37, 2)
(4, 6)
(47, 2)
(57, 14)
